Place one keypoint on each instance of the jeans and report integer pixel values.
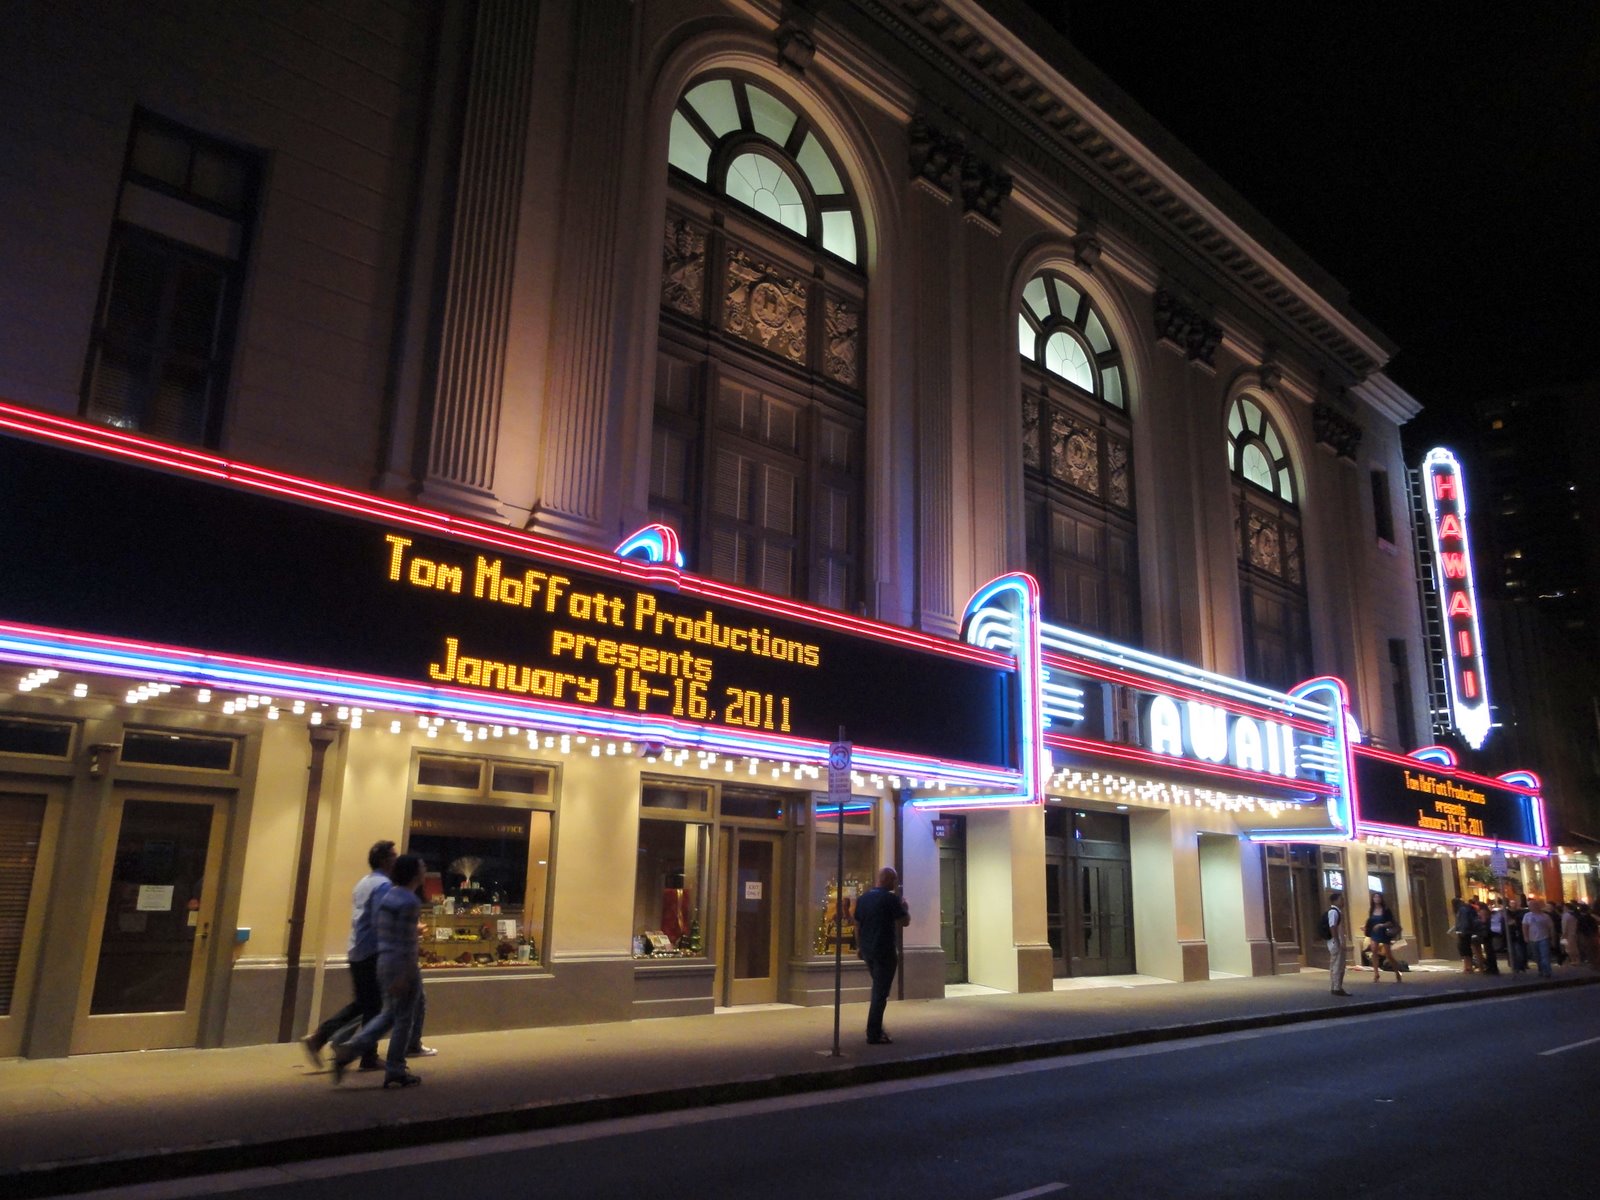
(882, 972)
(368, 1003)
(1541, 951)
(401, 1018)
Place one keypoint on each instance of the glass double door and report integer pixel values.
(156, 886)
(1088, 893)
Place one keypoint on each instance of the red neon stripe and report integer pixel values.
(1167, 762)
(1437, 769)
(294, 487)
(1144, 683)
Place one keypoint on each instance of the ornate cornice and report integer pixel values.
(1061, 127)
(1335, 430)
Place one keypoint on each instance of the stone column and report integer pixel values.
(474, 316)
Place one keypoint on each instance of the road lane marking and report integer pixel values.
(1044, 1189)
(1570, 1046)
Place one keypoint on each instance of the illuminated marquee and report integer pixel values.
(1458, 598)
(170, 563)
(1198, 727)
(1425, 797)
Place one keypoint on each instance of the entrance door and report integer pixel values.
(1100, 918)
(1422, 908)
(753, 931)
(1055, 897)
(28, 820)
(157, 892)
(953, 910)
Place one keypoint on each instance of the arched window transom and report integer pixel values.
(1059, 329)
(1256, 451)
(737, 138)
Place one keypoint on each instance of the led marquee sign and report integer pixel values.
(187, 559)
(1429, 801)
(1458, 598)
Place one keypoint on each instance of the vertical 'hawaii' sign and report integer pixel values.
(1458, 597)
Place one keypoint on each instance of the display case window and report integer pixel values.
(160, 748)
(824, 896)
(486, 855)
(669, 915)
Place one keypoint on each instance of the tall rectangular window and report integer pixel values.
(1382, 509)
(1400, 681)
(169, 297)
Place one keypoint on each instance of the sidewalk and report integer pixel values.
(100, 1120)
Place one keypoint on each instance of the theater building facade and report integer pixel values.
(533, 433)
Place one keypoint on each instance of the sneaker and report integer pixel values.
(403, 1080)
(1340, 992)
(883, 1039)
(312, 1045)
(421, 1052)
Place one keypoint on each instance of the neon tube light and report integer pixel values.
(1446, 497)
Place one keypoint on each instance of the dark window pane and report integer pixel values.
(749, 802)
(449, 773)
(133, 295)
(521, 781)
(161, 154)
(196, 305)
(155, 748)
(220, 178)
(49, 738)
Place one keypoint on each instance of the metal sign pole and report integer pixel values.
(838, 792)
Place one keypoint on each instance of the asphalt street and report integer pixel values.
(1483, 1098)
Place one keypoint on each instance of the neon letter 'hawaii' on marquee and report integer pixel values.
(1452, 576)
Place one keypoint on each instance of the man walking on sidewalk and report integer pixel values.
(1336, 949)
(362, 959)
(878, 913)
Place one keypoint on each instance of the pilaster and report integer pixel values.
(474, 326)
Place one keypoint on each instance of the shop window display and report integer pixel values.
(486, 871)
(825, 895)
(669, 886)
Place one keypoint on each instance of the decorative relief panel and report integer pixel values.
(1266, 553)
(1291, 555)
(1121, 483)
(841, 341)
(1030, 431)
(1074, 453)
(683, 268)
(763, 307)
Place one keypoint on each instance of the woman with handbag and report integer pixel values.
(1382, 929)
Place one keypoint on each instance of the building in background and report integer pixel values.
(868, 306)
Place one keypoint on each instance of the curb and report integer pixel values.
(148, 1166)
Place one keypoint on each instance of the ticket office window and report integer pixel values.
(821, 897)
(484, 831)
(670, 915)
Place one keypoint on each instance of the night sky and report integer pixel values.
(1440, 161)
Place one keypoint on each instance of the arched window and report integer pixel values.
(1272, 577)
(1077, 457)
(760, 415)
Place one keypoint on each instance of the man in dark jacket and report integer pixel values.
(878, 913)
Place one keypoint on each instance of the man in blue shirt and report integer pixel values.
(399, 977)
(362, 958)
(879, 912)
